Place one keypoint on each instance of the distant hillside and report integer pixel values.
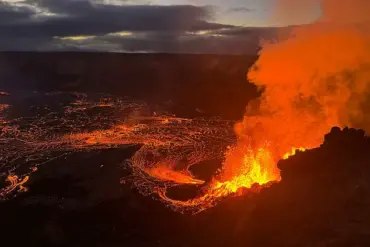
(215, 83)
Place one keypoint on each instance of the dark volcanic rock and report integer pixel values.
(324, 196)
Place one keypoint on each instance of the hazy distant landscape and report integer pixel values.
(213, 84)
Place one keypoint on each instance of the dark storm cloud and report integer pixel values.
(10, 14)
(41, 25)
(63, 6)
(244, 31)
(240, 9)
(169, 43)
(84, 18)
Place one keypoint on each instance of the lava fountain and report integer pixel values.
(316, 78)
(311, 80)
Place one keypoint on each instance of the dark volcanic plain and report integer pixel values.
(322, 200)
(215, 84)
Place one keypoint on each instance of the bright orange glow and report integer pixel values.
(248, 164)
(15, 183)
(167, 174)
(245, 166)
(293, 152)
(167, 148)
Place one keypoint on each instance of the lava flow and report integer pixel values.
(170, 146)
(245, 169)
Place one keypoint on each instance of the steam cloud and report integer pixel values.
(315, 79)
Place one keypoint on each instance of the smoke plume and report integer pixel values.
(315, 79)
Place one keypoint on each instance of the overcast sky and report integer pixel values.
(187, 26)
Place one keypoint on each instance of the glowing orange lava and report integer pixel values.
(167, 147)
(167, 174)
(246, 166)
(15, 183)
(293, 152)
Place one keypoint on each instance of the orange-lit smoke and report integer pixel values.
(316, 78)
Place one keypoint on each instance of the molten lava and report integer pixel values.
(246, 166)
(167, 174)
(14, 184)
(293, 152)
(169, 146)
